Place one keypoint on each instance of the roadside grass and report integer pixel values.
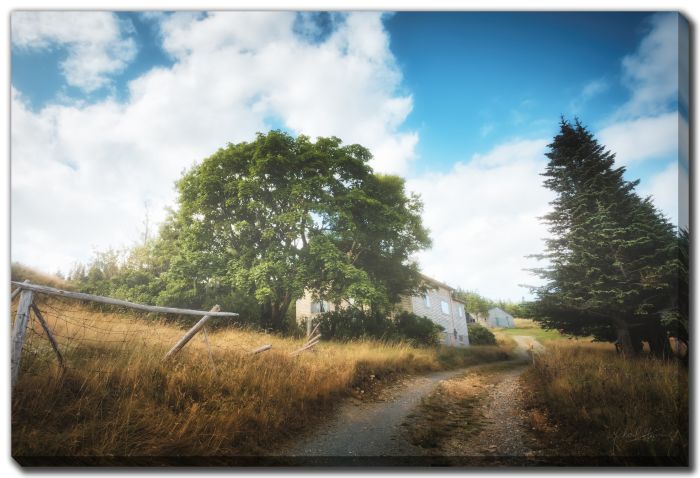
(611, 406)
(532, 329)
(118, 398)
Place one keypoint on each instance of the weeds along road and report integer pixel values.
(363, 432)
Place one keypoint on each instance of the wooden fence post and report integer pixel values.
(191, 333)
(20, 328)
(50, 336)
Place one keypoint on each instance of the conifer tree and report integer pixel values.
(612, 256)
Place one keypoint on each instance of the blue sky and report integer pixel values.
(461, 104)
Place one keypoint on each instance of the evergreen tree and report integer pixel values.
(612, 256)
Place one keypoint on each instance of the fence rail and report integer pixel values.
(27, 292)
(117, 302)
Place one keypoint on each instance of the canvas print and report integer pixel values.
(349, 238)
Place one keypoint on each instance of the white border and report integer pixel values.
(8, 467)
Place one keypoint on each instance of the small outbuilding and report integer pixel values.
(499, 318)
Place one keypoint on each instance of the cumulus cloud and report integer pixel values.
(98, 43)
(81, 172)
(665, 188)
(637, 140)
(652, 72)
(483, 218)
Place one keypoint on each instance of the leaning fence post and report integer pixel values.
(52, 340)
(191, 333)
(20, 328)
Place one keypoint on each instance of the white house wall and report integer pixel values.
(450, 322)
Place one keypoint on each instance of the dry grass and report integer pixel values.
(118, 398)
(615, 407)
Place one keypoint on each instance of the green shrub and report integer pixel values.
(352, 323)
(480, 335)
(417, 329)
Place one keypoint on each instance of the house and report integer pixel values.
(499, 318)
(439, 304)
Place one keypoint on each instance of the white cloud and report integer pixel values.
(592, 89)
(651, 73)
(81, 172)
(483, 218)
(97, 42)
(665, 188)
(643, 138)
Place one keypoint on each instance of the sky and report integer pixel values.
(108, 109)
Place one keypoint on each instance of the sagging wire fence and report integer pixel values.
(52, 331)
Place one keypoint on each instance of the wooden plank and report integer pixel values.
(19, 330)
(17, 290)
(308, 345)
(52, 340)
(192, 332)
(313, 331)
(261, 349)
(121, 303)
(313, 338)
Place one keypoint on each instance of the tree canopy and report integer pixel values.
(612, 257)
(279, 215)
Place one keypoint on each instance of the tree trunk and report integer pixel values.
(274, 313)
(659, 345)
(624, 343)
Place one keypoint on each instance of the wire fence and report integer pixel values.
(106, 338)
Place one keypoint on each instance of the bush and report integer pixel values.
(418, 330)
(352, 323)
(480, 335)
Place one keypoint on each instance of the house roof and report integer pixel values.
(436, 282)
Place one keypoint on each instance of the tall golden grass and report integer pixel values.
(118, 398)
(615, 407)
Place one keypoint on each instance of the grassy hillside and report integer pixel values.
(119, 398)
(610, 406)
(532, 329)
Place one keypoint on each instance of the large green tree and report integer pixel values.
(279, 215)
(612, 257)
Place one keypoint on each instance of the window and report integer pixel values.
(426, 298)
(319, 307)
(460, 311)
(445, 307)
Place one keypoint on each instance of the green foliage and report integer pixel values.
(279, 215)
(611, 255)
(354, 323)
(417, 329)
(480, 335)
(474, 302)
(258, 223)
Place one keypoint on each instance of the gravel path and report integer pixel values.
(370, 433)
(370, 429)
(505, 433)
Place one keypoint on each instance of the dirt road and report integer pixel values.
(364, 432)
(370, 429)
